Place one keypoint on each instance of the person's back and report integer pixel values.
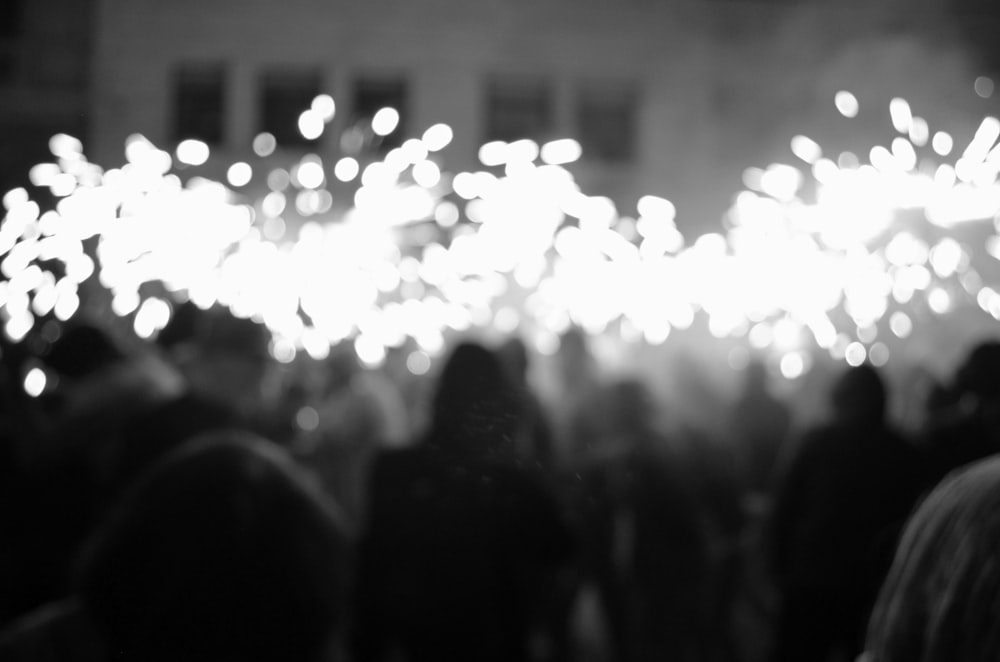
(458, 539)
(839, 509)
(939, 602)
(221, 552)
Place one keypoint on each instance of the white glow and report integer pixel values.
(264, 144)
(239, 174)
(847, 103)
(560, 152)
(310, 174)
(902, 116)
(855, 354)
(192, 152)
(346, 169)
(65, 146)
(437, 137)
(942, 143)
(878, 354)
(34, 382)
(792, 365)
(901, 324)
(324, 106)
(939, 300)
(806, 149)
(385, 121)
(311, 124)
(426, 174)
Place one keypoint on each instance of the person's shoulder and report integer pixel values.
(56, 632)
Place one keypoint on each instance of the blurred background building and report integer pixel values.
(673, 98)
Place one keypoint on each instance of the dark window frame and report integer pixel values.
(519, 107)
(284, 93)
(199, 102)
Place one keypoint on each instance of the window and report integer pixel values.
(372, 95)
(518, 108)
(606, 121)
(199, 103)
(285, 95)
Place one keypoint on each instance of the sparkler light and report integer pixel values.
(818, 254)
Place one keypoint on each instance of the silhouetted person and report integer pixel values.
(223, 365)
(533, 437)
(760, 424)
(223, 551)
(939, 602)
(460, 542)
(643, 531)
(359, 412)
(839, 509)
(966, 424)
(58, 494)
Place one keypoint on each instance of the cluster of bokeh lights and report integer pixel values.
(388, 249)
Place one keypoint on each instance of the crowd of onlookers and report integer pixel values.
(192, 499)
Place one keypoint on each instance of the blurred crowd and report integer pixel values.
(192, 499)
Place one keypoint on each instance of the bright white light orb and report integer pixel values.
(385, 121)
(901, 324)
(324, 106)
(346, 169)
(192, 152)
(426, 174)
(942, 143)
(239, 174)
(792, 365)
(806, 149)
(855, 354)
(309, 174)
(847, 103)
(561, 152)
(437, 137)
(311, 124)
(34, 382)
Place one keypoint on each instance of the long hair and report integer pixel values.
(222, 552)
(941, 600)
(475, 405)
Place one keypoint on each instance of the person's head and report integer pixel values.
(223, 551)
(941, 599)
(630, 408)
(227, 358)
(979, 373)
(513, 354)
(859, 395)
(474, 403)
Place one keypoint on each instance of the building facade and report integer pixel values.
(672, 98)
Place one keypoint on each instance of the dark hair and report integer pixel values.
(222, 552)
(860, 393)
(474, 404)
(942, 596)
(980, 372)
